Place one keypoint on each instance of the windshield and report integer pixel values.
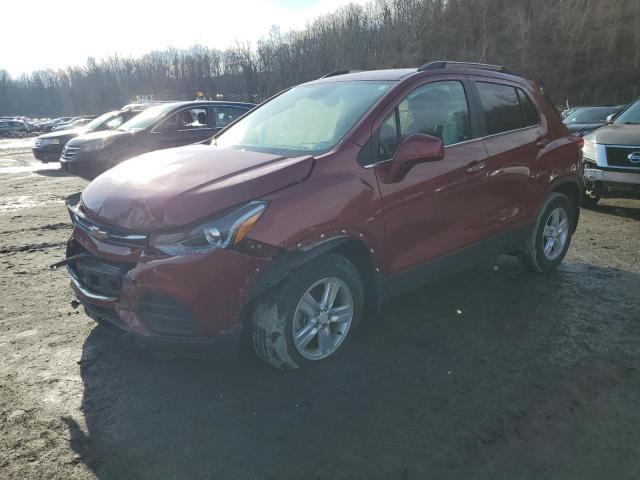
(96, 123)
(590, 115)
(306, 119)
(146, 118)
(631, 115)
(111, 120)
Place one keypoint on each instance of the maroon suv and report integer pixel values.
(309, 212)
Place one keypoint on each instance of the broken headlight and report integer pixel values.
(222, 232)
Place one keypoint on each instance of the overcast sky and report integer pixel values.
(40, 34)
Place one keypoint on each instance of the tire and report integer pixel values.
(534, 255)
(589, 200)
(281, 312)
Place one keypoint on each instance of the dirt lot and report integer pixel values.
(493, 373)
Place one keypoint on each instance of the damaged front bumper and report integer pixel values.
(612, 183)
(182, 305)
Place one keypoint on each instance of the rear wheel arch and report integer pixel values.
(534, 252)
(570, 188)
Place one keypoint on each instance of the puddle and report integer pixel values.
(32, 167)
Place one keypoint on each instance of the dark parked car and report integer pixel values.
(565, 113)
(162, 126)
(48, 147)
(587, 119)
(612, 158)
(76, 123)
(50, 125)
(13, 127)
(308, 213)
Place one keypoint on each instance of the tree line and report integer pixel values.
(584, 52)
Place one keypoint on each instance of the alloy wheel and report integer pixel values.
(322, 318)
(556, 232)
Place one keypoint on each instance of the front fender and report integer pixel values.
(284, 264)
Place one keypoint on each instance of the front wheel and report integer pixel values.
(549, 242)
(311, 315)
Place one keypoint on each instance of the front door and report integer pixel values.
(438, 208)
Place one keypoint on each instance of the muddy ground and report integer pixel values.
(493, 373)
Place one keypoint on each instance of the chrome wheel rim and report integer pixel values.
(322, 318)
(556, 232)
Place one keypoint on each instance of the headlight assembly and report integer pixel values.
(51, 141)
(589, 151)
(221, 232)
(95, 145)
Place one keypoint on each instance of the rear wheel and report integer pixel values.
(549, 242)
(311, 315)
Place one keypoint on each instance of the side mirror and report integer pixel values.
(415, 148)
(610, 118)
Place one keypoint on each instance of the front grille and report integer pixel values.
(39, 143)
(99, 276)
(69, 152)
(619, 157)
(94, 274)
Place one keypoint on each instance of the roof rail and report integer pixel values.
(339, 72)
(447, 64)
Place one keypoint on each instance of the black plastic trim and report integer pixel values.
(455, 262)
(285, 263)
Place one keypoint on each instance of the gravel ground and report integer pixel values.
(492, 373)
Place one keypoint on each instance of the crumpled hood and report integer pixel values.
(613, 134)
(178, 186)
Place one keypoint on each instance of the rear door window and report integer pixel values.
(226, 114)
(501, 107)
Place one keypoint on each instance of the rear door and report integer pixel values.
(514, 138)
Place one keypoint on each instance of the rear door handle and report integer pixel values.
(542, 143)
(477, 165)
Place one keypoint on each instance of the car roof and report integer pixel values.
(433, 68)
(379, 75)
(213, 102)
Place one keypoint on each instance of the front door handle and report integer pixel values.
(475, 166)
